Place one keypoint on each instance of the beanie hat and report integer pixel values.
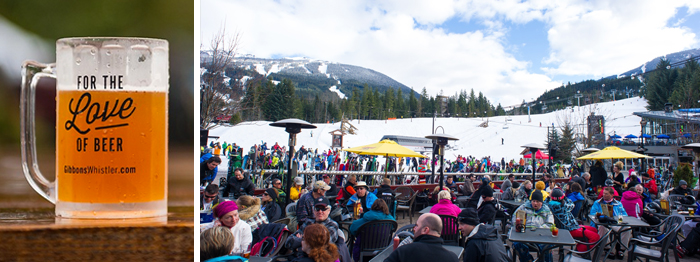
(273, 193)
(469, 216)
(557, 194)
(682, 182)
(516, 185)
(539, 185)
(537, 195)
(224, 207)
(487, 193)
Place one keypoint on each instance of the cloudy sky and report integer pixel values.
(508, 49)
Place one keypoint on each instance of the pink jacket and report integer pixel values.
(445, 207)
(630, 201)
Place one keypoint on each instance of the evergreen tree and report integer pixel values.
(567, 143)
(413, 105)
(660, 85)
(687, 86)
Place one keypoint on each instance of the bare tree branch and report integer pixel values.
(216, 95)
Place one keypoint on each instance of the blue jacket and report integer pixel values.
(575, 196)
(369, 200)
(369, 216)
(618, 209)
(216, 169)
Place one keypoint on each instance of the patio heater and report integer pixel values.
(441, 140)
(533, 147)
(292, 126)
(643, 123)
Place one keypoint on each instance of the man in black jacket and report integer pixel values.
(487, 210)
(210, 197)
(474, 200)
(598, 174)
(427, 244)
(239, 185)
(482, 242)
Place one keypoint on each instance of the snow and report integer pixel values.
(260, 68)
(275, 82)
(307, 70)
(337, 91)
(473, 140)
(274, 69)
(244, 80)
(322, 68)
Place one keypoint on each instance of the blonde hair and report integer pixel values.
(619, 165)
(444, 194)
(215, 242)
(246, 201)
(527, 182)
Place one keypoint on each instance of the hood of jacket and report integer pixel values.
(486, 232)
(248, 212)
(630, 195)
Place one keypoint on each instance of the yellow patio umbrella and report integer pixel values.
(385, 148)
(612, 152)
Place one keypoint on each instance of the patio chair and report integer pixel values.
(675, 200)
(390, 201)
(374, 237)
(450, 230)
(642, 247)
(595, 253)
(405, 201)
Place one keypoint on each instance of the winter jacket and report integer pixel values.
(680, 191)
(273, 211)
(632, 202)
(505, 185)
(207, 175)
(331, 225)
(575, 196)
(305, 207)
(509, 194)
(213, 202)
(423, 248)
(369, 216)
(227, 258)
(487, 211)
(369, 200)
(598, 176)
(474, 199)
(617, 208)
(483, 245)
(237, 188)
(445, 207)
(580, 181)
(468, 188)
(523, 193)
(242, 234)
(253, 215)
(651, 185)
(542, 218)
(563, 212)
(294, 193)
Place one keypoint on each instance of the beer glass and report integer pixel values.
(111, 127)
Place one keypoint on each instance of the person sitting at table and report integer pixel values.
(239, 185)
(450, 183)
(272, 210)
(650, 184)
(488, 208)
(210, 197)
(281, 195)
(540, 186)
(468, 187)
(507, 183)
(250, 211)
(296, 191)
(562, 208)
(525, 190)
(632, 181)
(427, 244)
(444, 205)
(316, 245)
(215, 244)
(305, 205)
(334, 189)
(682, 189)
(618, 209)
(538, 215)
(378, 211)
(362, 196)
(608, 184)
(385, 187)
(632, 201)
(226, 214)
(322, 210)
(690, 245)
(510, 193)
(482, 241)
(476, 197)
(548, 184)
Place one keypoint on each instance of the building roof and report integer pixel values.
(673, 116)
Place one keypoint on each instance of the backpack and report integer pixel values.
(264, 248)
(586, 234)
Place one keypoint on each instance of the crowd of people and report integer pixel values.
(319, 236)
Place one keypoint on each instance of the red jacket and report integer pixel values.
(651, 185)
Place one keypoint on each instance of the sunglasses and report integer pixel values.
(319, 209)
(209, 197)
(266, 194)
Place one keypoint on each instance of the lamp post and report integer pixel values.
(533, 147)
(292, 126)
(440, 140)
(643, 123)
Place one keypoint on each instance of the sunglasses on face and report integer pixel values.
(209, 197)
(319, 209)
(266, 194)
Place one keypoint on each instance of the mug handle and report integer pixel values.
(31, 73)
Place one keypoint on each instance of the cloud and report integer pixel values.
(404, 40)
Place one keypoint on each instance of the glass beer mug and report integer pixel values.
(111, 127)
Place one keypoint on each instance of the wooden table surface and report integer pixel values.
(30, 231)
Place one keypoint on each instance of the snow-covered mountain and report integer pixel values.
(672, 58)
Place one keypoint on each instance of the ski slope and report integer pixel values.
(473, 140)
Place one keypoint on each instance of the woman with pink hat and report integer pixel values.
(226, 214)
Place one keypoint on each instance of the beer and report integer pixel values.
(114, 159)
